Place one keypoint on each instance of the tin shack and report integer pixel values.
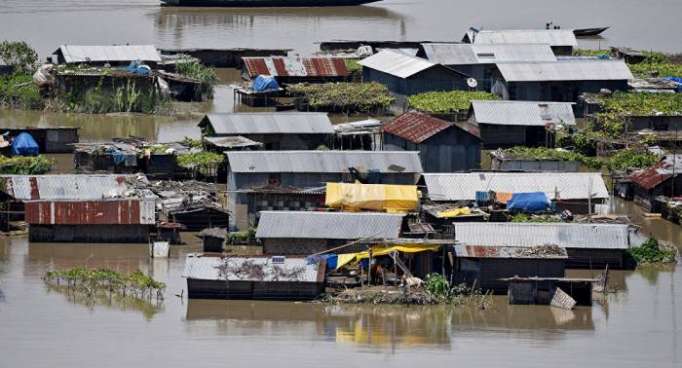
(49, 139)
(506, 160)
(442, 146)
(562, 81)
(479, 61)
(590, 246)
(573, 191)
(662, 179)
(484, 266)
(274, 180)
(562, 41)
(406, 75)
(309, 232)
(264, 278)
(520, 123)
(276, 131)
(296, 69)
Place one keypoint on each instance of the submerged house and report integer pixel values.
(406, 75)
(662, 179)
(265, 278)
(277, 180)
(573, 191)
(84, 208)
(485, 266)
(442, 146)
(519, 123)
(562, 41)
(297, 69)
(116, 55)
(275, 131)
(587, 245)
(563, 81)
(309, 232)
(479, 61)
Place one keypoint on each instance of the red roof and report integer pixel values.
(654, 176)
(417, 127)
(296, 66)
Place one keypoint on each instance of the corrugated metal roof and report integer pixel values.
(527, 113)
(605, 236)
(416, 127)
(463, 186)
(295, 66)
(552, 37)
(654, 176)
(228, 269)
(490, 251)
(468, 54)
(565, 70)
(396, 63)
(60, 187)
(269, 123)
(323, 161)
(94, 212)
(328, 225)
(116, 53)
(232, 142)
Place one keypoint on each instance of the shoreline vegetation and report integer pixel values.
(106, 90)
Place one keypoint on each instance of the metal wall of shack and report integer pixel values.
(96, 212)
(534, 165)
(485, 273)
(438, 78)
(558, 91)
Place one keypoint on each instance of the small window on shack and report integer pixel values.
(485, 55)
(274, 179)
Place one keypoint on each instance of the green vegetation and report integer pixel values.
(91, 282)
(242, 237)
(25, 165)
(657, 64)
(195, 70)
(590, 52)
(643, 104)
(542, 153)
(18, 91)
(124, 97)
(522, 217)
(352, 65)
(192, 143)
(447, 102)
(652, 252)
(344, 97)
(202, 159)
(631, 159)
(20, 56)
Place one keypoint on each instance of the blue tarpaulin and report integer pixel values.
(24, 145)
(677, 81)
(529, 202)
(263, 84)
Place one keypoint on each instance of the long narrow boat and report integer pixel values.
(265, 3)
(585, 32)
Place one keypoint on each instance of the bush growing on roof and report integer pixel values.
(642, 104)
(542, 153)
(203, 159)
(447, 102)
(195, 70)
(631, 159)
(25, 165)
(347, 97)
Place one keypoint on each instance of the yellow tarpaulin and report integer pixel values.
(454, 212)
(347, 258)
(375, 197)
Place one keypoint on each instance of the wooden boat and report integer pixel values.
(265, 3)
(586, 32)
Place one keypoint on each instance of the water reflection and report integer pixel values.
(224, 27)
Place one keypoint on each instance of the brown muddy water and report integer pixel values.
(640, 325)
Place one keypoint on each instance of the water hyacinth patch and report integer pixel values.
(447, 102)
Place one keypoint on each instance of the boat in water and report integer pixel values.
(265, 3)
(587, 32)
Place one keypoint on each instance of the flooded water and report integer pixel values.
(640, 325)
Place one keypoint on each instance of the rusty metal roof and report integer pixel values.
(417, 127)
(59, 187)
(95, 212)
(654, 176)
(295, 66)
(531, 252)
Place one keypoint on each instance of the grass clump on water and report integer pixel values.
(195, 70)
(651, 252)
(96, 281)
(447, 102)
